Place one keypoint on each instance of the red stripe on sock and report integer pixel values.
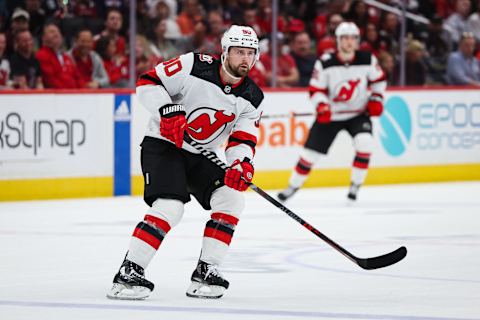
(157, 222)
(301, 171)
(304, 162)
(147, 237)
(360, 165)
(363, 155)
(218, 235)
(226, 217)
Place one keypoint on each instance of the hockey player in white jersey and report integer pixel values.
(347, 89)
(215, 102)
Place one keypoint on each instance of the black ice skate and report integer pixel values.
(207, 282)
(352, 193)
(287, 193)
(130, 283)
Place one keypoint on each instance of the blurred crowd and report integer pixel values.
(84, 43)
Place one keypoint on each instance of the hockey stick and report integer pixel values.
(287, 115)
(365, 263)
(302, 114)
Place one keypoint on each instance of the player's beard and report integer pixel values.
(238, 71)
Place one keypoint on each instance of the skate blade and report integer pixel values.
(123, 292)
(203, 291)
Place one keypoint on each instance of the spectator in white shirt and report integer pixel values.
(456, 23)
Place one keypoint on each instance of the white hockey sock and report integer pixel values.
(146, 240)
(213, 251)
(300, 173)
(140, 252)
(217, 237)
(358, 176)
(360, 168)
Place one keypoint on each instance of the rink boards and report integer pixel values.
(71, 144)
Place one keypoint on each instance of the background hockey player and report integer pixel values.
(347, 89)
(215, 102)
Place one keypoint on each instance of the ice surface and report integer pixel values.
(57, 258)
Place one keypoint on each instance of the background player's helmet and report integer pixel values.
(240, 36)
(347, 29)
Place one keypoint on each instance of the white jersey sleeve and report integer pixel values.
(318, 88)
(244, 136)
(376, 78)
(166, 81)
(174, 73)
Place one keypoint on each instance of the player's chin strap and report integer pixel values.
(223, 57)
(365, 263)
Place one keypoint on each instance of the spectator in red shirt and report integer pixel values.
(113, 25)
(89, 64)
(257, 74)
(115, 65)
(250, 19)
(287, 73)
(328, 44)
(84, 8)
(295, 26)
(58, 68)
(319, 12)
(264, 18)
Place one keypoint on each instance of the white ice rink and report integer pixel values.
(57, 258)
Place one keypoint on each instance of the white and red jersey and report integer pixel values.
(216, 112)
(4, 72)
(346, 86)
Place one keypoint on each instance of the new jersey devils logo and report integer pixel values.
(205, 58)
(346, 91)
(206, 124)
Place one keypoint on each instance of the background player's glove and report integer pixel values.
(173, 123)
(324, 113)
(375, 105)
(239, 174)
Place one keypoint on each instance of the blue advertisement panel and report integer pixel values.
(122, 115)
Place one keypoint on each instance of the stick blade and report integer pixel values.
(384, 260)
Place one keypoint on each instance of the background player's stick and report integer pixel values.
(365, 263)
(287, 115)
(301, 114)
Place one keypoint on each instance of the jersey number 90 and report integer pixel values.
(172, 66)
